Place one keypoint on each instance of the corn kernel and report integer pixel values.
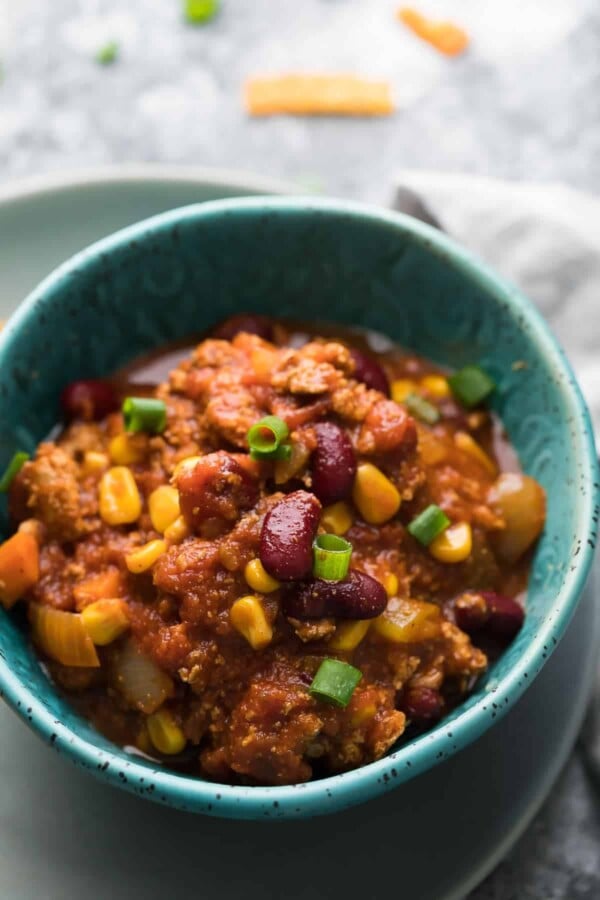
(408, 621)
(105, 620)
(120, 501)
(374, 494)
(126, 449)
(401, 388)
(165, 733)
(348, 635)
(258, 578)
(466, 443)
(163, 504)
(390, 583)
(248, 617)
(363, 714)
(436, 385)
(337, 518)
(177, 532)
(94, 463)
(143, 558)
(454, 544)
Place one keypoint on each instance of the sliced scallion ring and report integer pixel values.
(429, 524)
(144, 414)
(12, 470)
(471, 386)
(284, 452)
(332, 555)
(422, 409)
(267, 435)
(335, 682)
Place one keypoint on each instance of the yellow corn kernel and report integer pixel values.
(163, 504)
(390, 583)
(363, 714)
(165, 733)
(454, 544)
(436, 385)
(105, 620)
(401, 388)
(337, 518)
(143, 558)
(348, 635)
(120, 501)
(177, 532)
(466, 443)
(94, 462)
(258, 578)
(126, 449)
(408, 621)
(248, 617)
(374, 494)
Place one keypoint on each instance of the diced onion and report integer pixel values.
(143, 685)
(62, 636)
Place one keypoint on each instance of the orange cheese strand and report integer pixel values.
(444, 36)
(318, 95)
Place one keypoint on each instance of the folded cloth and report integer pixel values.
(545, 238)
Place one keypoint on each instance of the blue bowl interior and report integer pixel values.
(178, 274)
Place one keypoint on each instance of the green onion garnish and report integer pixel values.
(471, 386)
(429, 524)
(266, 436)
(108, 53)
(13, 469)
(335, 682)
(331, 557)
(422, 409)
(284, 451)
(200, 11)
(144, 414)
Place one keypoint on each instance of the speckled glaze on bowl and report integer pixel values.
(179, 272)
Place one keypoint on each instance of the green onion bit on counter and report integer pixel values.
(335, 682)
(144, 414)
(471, 386)
(429, 524)
(108, 53)
(422, 409)
(12, 470)
(331, 557)
(200, 11)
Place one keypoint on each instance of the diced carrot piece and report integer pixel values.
(98, 587)
(19, 567)
(318, 95)
(444, 36)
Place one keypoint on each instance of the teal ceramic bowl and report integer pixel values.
(180, 272)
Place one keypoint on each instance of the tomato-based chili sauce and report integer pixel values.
(195, 625)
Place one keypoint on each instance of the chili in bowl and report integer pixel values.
(274, 555)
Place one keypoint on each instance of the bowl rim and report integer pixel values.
(337, 791)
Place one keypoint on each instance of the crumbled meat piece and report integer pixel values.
(312, 629)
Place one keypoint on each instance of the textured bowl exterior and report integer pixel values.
(178, 273)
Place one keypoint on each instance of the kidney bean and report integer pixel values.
(333, 463)
(358, 596)
(422, 705)
(89, 399)
(505, 616)
(369, 372)
(259, 325)
(287, 536)
(213, 489)
(487, 612)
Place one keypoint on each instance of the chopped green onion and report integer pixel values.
(200, 11)
(108, 53)
(422, 409)
(471, 386)
(144, 414)
(284, 451)
(266, 435)
(429, 524)
(331, 557)
(335, 682)
(13, 469)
